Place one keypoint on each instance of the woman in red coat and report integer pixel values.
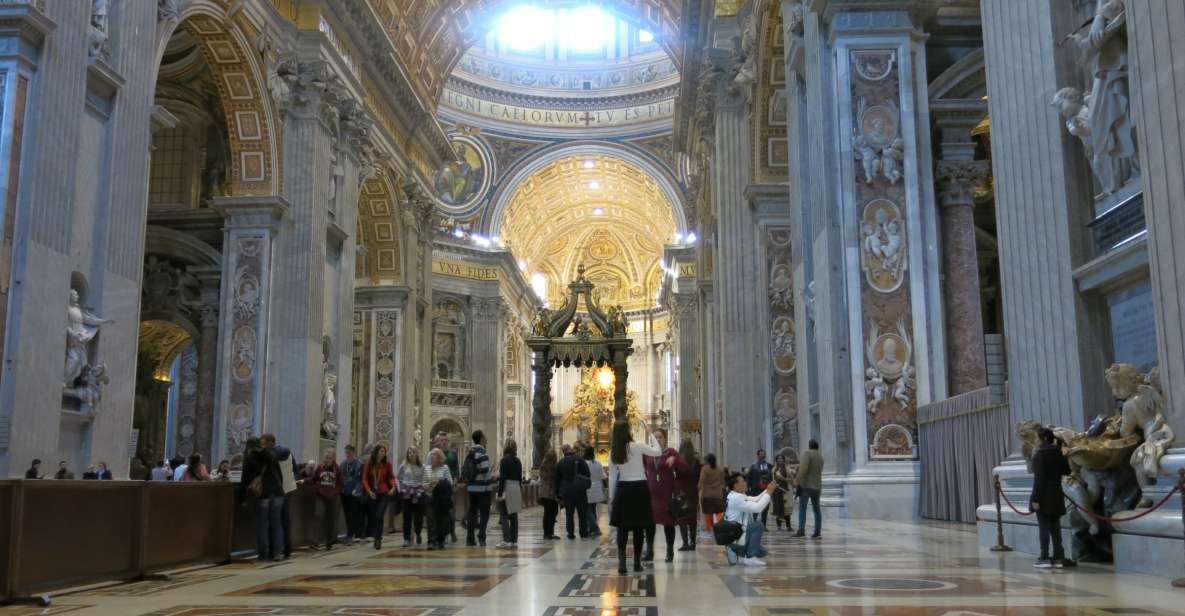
(660, 475)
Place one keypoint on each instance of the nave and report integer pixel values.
(859, 567)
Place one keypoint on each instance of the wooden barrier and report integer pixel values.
(55, 534)
(58, 534)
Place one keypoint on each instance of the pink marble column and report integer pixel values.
(964, 313)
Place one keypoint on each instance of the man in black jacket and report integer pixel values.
(269, 530)
(573, 480)
(1049, 466)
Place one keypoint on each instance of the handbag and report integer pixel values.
(255, 488)
(680, 506)
(726, 532)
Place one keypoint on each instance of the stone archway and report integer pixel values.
(253, 132)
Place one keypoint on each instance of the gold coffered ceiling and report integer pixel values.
(597, 210)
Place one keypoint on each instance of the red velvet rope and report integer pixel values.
(1091, 513)
(1127, 519)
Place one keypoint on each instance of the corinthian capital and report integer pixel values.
(420, 206)
(958, 179)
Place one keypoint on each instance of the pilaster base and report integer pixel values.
(884, 491)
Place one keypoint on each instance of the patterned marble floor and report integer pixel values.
(860, 567)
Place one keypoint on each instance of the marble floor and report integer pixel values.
(859, 567)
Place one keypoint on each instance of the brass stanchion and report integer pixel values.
(1000, 545)
(1180, 582)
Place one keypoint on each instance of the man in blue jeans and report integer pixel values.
(809, 481)
(740, 509)
(269, 502)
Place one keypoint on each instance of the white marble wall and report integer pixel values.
(72, 217)
(1158, 95)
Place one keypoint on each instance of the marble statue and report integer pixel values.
(1103, 119)
(1114, 459)
(875, 389)
(90, 389)
(1142, 411)
(329, 425)
(98, 35)
(168, 10)
(904, 386)
(891, 160)
(867, 155)
(82, 326)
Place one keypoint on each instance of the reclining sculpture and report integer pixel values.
(1115, 459)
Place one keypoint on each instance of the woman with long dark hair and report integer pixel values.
(711, 492)
(687, 484)
(195, 471)
(629, 492)
(548, 494)
(378, 481)
(510, 493)
(783, 477)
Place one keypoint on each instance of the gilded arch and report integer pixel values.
(379, 230)
(253, 128)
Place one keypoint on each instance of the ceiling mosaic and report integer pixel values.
(597, 210)
(431, 36)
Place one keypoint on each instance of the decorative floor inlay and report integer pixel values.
(595, 585)
(303, 610)
(466, 553)
(429, 565)
(421, 585)
(600, 611)
(144, 588)
(971, 610)
(753, 585)
(29, 610)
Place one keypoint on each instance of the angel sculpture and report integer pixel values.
(1142, 411)
(875, 389)
(866, 153)
(891, 157)
(905, 384)
(91, 390)
(542, 322)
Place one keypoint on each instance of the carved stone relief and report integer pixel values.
(384, 375)
(247, 304)
(879, 147)
(783, 347)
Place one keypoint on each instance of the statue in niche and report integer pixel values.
(216, 159)
(1102, 119)
(90, 388)
(82, 326)
(98, 36)
(781, 291)
(329, 425)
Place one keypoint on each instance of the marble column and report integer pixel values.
(206, 408)
(250, 228)
(736, 289)
(967, 363)
(686, 313)
(416, 325)
(310, 142)
(1043, 193)
(1158, 92)
(487, 356)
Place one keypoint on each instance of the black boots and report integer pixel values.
(687, 544)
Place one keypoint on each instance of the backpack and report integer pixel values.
(469, 469)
